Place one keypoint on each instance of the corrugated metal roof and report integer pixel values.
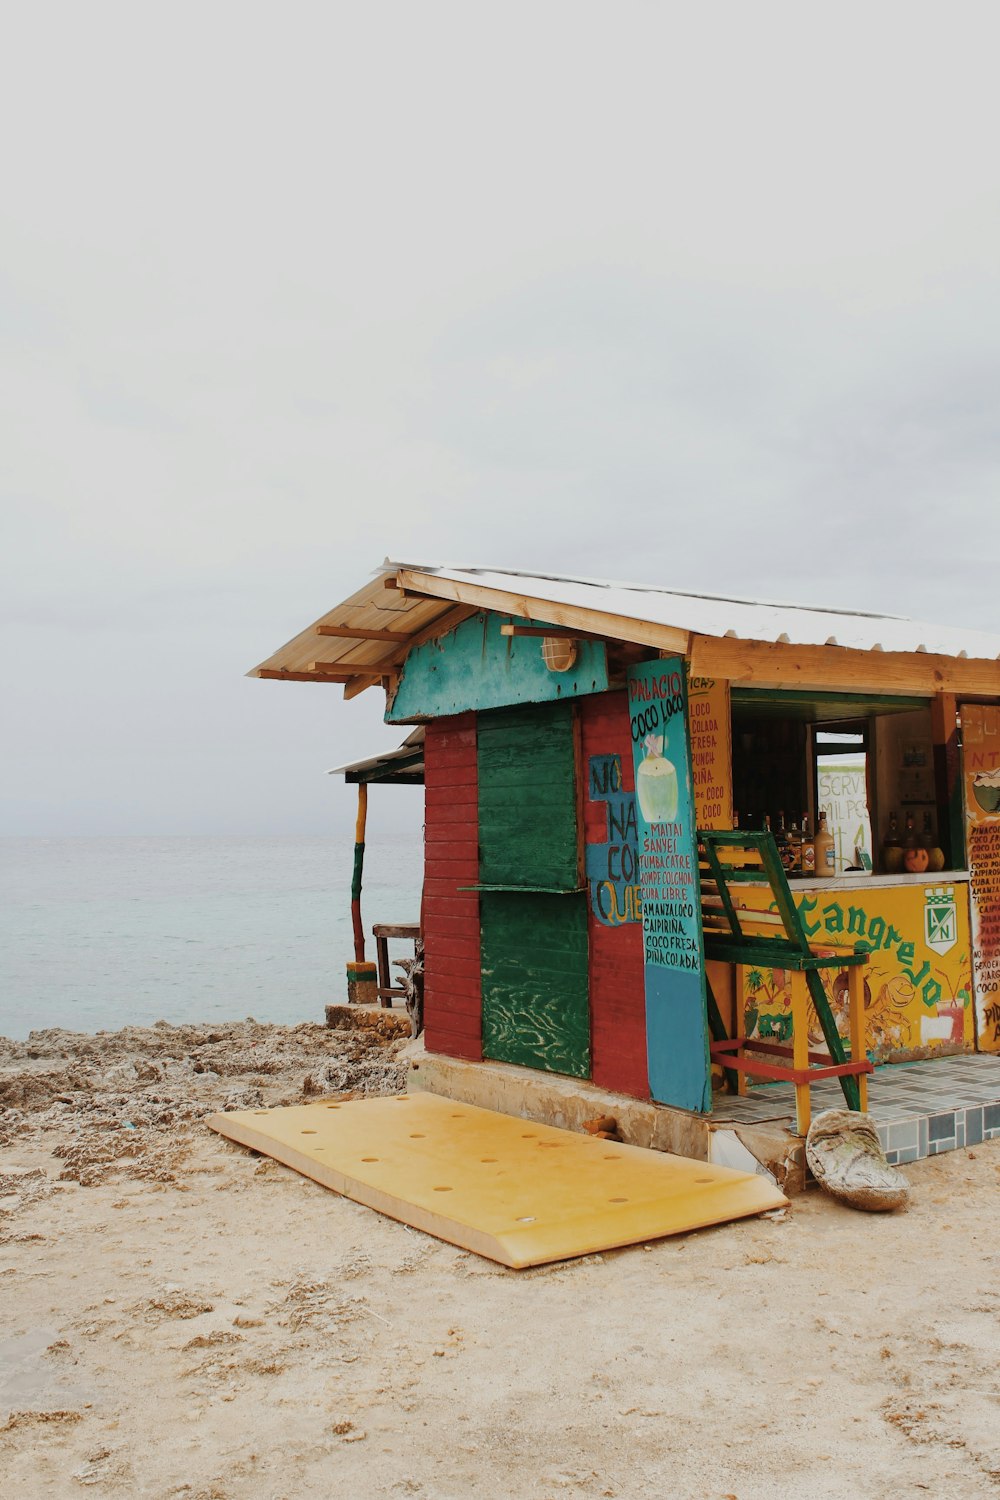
(387, 765)
(365, 639)
(721, 615)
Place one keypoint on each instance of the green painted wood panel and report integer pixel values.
(475, 667)
(534, 965)
(528, 834)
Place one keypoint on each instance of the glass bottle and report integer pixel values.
(892, 850)
(826, 848)
(808, 848)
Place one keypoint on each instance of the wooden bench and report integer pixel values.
(382, 932)
(776, 939)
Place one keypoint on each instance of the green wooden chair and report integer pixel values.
(776, 939)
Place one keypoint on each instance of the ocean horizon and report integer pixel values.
(100, 933)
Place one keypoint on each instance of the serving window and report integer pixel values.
(867, 763)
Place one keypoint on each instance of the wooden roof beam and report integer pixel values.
(548, 632)
(444, 622)
(282, 674)
(527, 607)
(328, 667)
(357, 633)
(839, 668)
(355, 686)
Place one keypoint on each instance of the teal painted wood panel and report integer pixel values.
(528, 826)
(475, 667)
(534, 965)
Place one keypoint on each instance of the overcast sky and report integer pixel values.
(703, 295)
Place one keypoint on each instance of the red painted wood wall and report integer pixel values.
(617, 989)
(452, 980)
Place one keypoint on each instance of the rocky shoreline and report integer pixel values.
(124, 1103)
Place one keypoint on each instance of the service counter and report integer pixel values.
(918, 980)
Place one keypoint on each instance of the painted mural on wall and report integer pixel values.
(711, 759)
(612, 867)
(981, 756)
(674, 970)
(918, 980)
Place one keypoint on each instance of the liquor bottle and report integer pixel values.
(826, 848)
(892, 849)
(781, 840)
(794, 866)
(910, 831)
(808, 848)
(935, 854)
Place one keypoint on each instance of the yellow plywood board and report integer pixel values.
(513, 1190)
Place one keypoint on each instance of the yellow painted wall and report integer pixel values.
(918, 997)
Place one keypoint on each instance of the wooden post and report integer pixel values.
(856, 1023)
(948, 780)
(800, 1048)
(361, 981)
(359, 864)
(740, 1020)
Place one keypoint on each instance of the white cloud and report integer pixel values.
(704, 294)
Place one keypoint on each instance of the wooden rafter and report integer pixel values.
(839, 668)
(358, 633)
(527, 607)
(551, 632)
(440, 626)
(328, 667)
(282, 674)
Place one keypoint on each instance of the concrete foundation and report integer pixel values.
(553, 1100)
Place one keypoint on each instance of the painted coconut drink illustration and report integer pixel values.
(656, 783)
(986, 787)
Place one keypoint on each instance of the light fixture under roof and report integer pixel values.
(558, 653)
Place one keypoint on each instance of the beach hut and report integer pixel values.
(626, 791)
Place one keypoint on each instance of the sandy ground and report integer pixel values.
(180, 1317)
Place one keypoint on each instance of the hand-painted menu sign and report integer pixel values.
(711, 761)
(981, 753)
(612, 867)
(676, 1020)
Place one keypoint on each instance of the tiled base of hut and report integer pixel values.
(919, 1109)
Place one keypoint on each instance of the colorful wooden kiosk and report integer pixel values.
(578, 735)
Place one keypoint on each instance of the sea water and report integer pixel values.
(101, 933)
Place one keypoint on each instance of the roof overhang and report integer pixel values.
(364, 641)
(403, 766)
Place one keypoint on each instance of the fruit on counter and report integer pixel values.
(892, 849)
(916, 860)
(935, 855)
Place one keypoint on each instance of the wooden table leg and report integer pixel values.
(856, 1024)
(800, 1049)
(384, 977)
(740, 1023)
